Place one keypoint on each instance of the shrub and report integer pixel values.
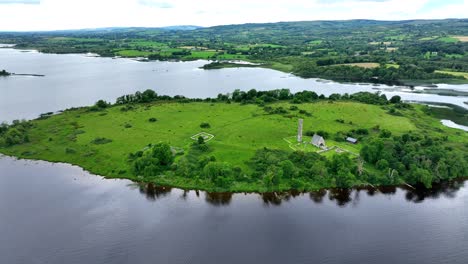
(279, 110)
(201, 147)
(201, 140)
(385, 133)
(127, 108)
(323, 134)
(101, 140)
(293, 108)
(304, 112)
(220, 173)
(70, 151)
(205, 125)
(153, 161)
(152, 120)
(395, 99)
(14, 136)
(362, 131)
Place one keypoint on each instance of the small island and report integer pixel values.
(4, 73)
(254, 141)
(228, 64)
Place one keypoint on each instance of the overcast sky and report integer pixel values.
(23, 15)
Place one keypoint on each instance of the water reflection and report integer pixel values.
(218, 198)
(276, 198)
(318, 196)
(153, 191)
(445, 189)
(341, 197)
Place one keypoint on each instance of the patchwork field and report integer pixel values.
(464, 74)
(367, 65)
(462, 38)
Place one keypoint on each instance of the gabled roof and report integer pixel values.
(352, 140)
(316, 140)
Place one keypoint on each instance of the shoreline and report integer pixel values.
(239, 191)
(285, 68)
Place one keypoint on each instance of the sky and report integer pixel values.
(34, 15)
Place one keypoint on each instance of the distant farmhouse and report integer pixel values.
(318, 141)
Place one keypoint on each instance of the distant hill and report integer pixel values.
(390, 52)
(182, 27)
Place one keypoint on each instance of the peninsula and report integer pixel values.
(248, 141)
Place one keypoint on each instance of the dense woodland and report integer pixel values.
(402, 50)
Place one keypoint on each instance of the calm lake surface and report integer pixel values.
(76, 80)
(57, 213)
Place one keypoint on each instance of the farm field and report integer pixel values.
(461, 38)
(367, 65)
(464, 74)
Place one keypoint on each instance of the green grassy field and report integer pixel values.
(133, 53)
(238, 130)
(428, 38)
(448, 39)
(464, 74)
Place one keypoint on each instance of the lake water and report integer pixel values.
(452, 124)
(57, 213)
(76, 80)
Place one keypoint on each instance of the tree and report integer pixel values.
(382, 164)
(273, 175)
(284, 94)
(395, 99)
(163, 153)
(201, 140)
(148, 96)
(101, 104)
(289, 170)
(385, 133)
(216, 170)
(154, 161)
(14, 136)
(423, 176)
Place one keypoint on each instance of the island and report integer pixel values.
(228, 64)
(253, 141)
(4, 73)
(413, 52)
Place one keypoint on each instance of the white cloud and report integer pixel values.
(73, 14)
(27, 2)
